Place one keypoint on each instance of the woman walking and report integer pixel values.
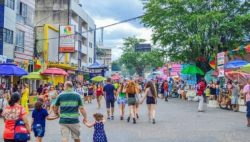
(90, 92)
(131, 97)
(52, 98)
(25, 98)
(122, 99)
(151, 96)
(11, 114)
(99, 94)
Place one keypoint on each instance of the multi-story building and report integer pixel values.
(69, 12)
(16, 31)
(104, 56)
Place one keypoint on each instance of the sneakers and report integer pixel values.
(121, 118)
(128, 119)
(134, 121)
(153, 121)
(112, 117)
(137, 116)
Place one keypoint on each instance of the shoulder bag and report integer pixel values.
(20, 131)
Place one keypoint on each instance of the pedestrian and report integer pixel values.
(99, 132)
(52, 98)
(121, 100)
(60, 89)
(80, 90)
(246, 91)
(25, 98)
(164, 89)
(40, 90)
(131, 97)
(213, 90)
(70, 104)
(85, 92)
(170, 87)
(90, 92)
(201, 86)
(39, 116)
(151, 100)
(99, 94)
(138, 93)
(235, 95)
(46, 100)
(109, 94)
(182, 90)
(11, 114)
(4, 98)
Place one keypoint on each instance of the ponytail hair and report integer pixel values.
(14, 99)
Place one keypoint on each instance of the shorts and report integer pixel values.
(234, 100)
(121, 100)
(150, 100)
(85, 94)
(90, 94)
(67, 129)
(131, 101)
(248, 109)
(38, 130)
(110, 103)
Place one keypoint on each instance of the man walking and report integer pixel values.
(70, 104)
(246, 91)
(109, 94)
(200, 91)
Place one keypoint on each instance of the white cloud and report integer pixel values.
(113, 36)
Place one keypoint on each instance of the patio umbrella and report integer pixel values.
(7, 69)
(235, 64)
(209, 76)
(34, 76)
(236, 75)
(245, 68)
(54, 71)
(98, 79)
(116, 77)
(192, 69)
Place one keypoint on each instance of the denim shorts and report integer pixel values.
(248, 109)
(38, 130)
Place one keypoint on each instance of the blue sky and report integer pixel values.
(106, 12)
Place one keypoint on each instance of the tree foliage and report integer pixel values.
(189, 29)
(139, 61)
(116, 66)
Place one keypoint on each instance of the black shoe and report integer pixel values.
(128, 119)
(166, 99)
(134, 121)
(108, 118)
(153, 121)
(137, 116)
(112, 117)
(121, 118)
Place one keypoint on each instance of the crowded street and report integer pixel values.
(177, 121)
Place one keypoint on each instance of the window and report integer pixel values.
(19, 41)
(90, 60)
(90, 45)
(1, 2)
(22, 9)
(10, 4)
(6, 35)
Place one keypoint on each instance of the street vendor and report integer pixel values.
(246, 91)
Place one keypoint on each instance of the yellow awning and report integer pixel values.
(62, 66)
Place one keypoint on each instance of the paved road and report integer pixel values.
(177, 121)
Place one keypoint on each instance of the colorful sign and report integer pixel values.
(221, 71)
(67, 39)
(221, 58)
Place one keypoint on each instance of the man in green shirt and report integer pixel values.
(70, 103)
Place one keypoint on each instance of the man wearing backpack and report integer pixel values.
(109, 94)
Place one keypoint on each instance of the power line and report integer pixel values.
(98, 28)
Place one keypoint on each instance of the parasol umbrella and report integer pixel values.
(245, 68)
(98, 79)
(54, 71)
(116, 77)
(34, 76)
(7, 69)
(235, 64)
(236, 75)
(209, 76)
(192, 69)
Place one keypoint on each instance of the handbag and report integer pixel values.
(20, 131)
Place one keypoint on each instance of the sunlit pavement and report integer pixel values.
(177, 121)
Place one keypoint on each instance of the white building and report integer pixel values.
(16, 31)
(70, 12)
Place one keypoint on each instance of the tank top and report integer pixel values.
(149, 93)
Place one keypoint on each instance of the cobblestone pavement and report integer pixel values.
(177, 121)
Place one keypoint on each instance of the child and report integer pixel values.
(99, 133)
(38, 122)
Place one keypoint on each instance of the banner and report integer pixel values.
(221, 58)
(67, 39)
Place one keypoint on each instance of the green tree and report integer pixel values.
(116, 66)
(138, 61)
(193, 29)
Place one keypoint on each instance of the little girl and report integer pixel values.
(99, 133)
(39, 116)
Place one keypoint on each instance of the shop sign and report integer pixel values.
(221, 71)
(221, 58)
(67, 39)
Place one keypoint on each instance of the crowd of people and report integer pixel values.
(65, 101)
